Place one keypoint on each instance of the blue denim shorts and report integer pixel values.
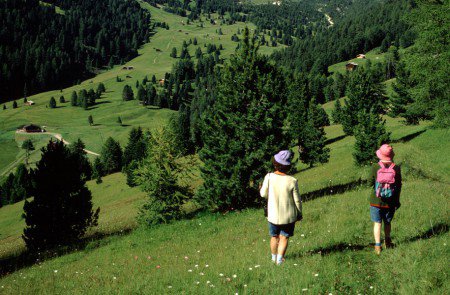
(381, 214)
(286, 230)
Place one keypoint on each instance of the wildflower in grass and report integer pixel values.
(305, 289)
(221, 274)
(148, 257)
(189, 270)
(228, 280)
(196, 265)
(234, 276)
(371, 287)
(135, 257)
(114, 278)
(245, 286)
(250, 268)
(302, 235)
(202, 274)
(212, 286)
(207, 265)
(197, 282)
(256, 266)
(55, 271)
(316, 275)
(186, 258)
(208, 282)
(170, 287)
(198, 251)
(158, 266)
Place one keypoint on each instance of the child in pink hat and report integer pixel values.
(385, 196)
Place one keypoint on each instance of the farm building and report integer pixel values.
(29, 103)
(161, 82)
(351, 66)
(361, 55)
(128, 68)
(32, 128)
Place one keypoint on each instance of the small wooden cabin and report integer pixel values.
(351, 66)
(29, 103)
(361, 55)
(32, 128)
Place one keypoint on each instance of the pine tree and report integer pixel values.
(111, 156)
(74, 99)
(127, 93)
(173, 54)
(160, 176)
(4, 107)
(101, 88)
(370, 133)
(97, 170)
(153, 79)
(90, 120)
(142, 93)
(52, 103)
(84, 166)
(242, 129)
(119, 121)
(312, 140)
(136, 148)
(28, 146)
(22, 184)
(15, 104)
(364, 95)
(61, 210)
(62, 99)
(336, 114)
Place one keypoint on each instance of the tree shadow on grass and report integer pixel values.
(333, 140)
(408, 137)
(435, 231)
(334, 189)
(14, 263)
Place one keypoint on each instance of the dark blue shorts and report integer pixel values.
(286, 230)
(381, 214)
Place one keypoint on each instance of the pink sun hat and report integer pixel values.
(385, 153)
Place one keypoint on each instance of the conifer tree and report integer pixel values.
(52, 103)
(142, 93)
(136, 148)
(312, 139)
(160, 176)
(119, 121)
(14, 105)
(28, 146)
(97, 170)
(61, 210)
(62, 99)
(173, 54)
(111, 156)
(22, 184)
(242, 130)
(74, 99)
(127, 93)
(84, 166)
(90, 120)
(370, 133)
(4, 107)
(364, 95)
(336, 114)
(153, 79)
(101, 88)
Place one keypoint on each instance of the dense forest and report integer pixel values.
(42, 49)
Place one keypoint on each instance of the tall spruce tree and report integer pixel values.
(61, 210)
(111, 156)
(370, 133)
(84, 166)
(28, 146)
(364, 95)
(127, 93)
(74, 99)
(242, 129)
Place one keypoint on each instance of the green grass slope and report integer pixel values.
(331, 251)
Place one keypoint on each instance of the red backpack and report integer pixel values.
(385, 182)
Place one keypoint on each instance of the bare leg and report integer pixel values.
(377, 232)
(274, 244)
(282, 245)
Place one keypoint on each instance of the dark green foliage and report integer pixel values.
(173, 53)
(111, 156)
(127, 93)
(312, 146)
(119, 121)
(370, 134)
(89, 35)
(336, 114)
(426, 65)
(61, 210)
(101, 88)
(28, 146)
(97, 170)
(161, 175)
(14, 105)
(195, 42)
(90, 120)
(62, 99)
(141, 94)
(74, 99)
(136, 148)
(84, 166)
(198, 53)
(153, 79)
(364, 94)
(4, 106)
(52, 103)
(18, 186)
(242, 130)
(151, 95)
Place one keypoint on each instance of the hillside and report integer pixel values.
(330, 253)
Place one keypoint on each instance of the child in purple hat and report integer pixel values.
(284, 205)
(385, 196)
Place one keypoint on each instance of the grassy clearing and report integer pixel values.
(374, 56)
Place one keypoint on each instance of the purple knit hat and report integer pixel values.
(283, 157)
